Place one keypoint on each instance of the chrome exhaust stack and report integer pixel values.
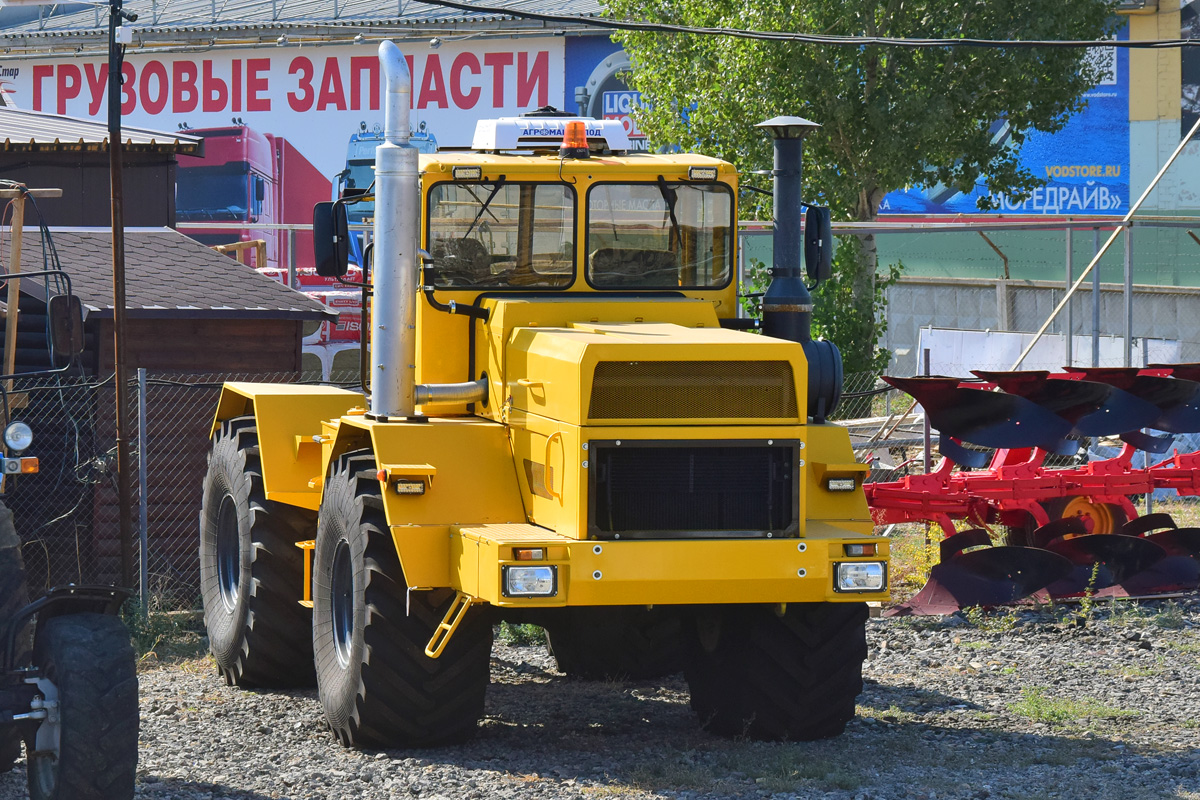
(397, 244)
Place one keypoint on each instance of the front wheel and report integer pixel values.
(778, 673)
(92, 754)
(378, 688)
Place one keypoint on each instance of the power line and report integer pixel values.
(811, 38)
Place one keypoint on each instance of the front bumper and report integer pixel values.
(660, 572)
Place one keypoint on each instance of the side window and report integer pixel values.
(501, 235)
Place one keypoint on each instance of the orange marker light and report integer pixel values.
(29, 465)
(575, 142)
(528, 553)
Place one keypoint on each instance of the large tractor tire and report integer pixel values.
(377, 686)
(617, 643)
(760, 674)
(251, 572)
(13, 597)
(90, 661)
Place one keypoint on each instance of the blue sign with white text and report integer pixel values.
(1085, 165)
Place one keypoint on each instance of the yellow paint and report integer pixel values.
(515, 473)
(1155, 79)
(660, 572)
(286, 415)
(442, 338)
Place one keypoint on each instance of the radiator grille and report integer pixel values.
(692, 390)
(657, 491)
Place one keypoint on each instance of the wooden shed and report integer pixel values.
(193, 317)
(49, 150)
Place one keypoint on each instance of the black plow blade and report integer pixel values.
(1178, 541)
(986, 577)
(1114, 565)
(984, 418)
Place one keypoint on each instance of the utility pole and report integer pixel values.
(118, 36)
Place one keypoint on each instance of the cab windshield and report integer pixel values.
(514, 235)
(663, 235)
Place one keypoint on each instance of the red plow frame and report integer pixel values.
(1063, 531)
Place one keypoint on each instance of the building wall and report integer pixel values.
(206, 345)
(148, 180)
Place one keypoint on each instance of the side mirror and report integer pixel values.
(260, 189)
(331, 239)
(818, 243)
(66, 327)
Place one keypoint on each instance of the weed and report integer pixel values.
(914, 553)
(522, 635)
(995, 622)
(976, 645)
(1087, 603)
(1037, 705)
(162, 635)
(1170, 616)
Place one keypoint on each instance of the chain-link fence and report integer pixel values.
(68, 513)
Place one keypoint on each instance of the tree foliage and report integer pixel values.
(892, 117)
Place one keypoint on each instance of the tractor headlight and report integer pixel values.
(860, 576)
(522, 581)
(18, 436)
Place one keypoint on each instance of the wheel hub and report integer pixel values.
(341, 593)
(229, 553)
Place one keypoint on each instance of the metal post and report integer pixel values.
(928, 439)
(124, 490)
(143, 499)
(1096, 301)
(291, 262)
(1146, 453)
(1070, 321)
(1128, 299)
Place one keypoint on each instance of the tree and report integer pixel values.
(892, 117)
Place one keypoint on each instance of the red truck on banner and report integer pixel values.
(249, 178)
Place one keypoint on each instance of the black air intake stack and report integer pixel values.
(787, 305)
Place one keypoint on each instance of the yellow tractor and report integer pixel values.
(561, 424)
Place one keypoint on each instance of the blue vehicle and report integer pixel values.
(359, 174)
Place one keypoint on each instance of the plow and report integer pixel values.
(1018, 525)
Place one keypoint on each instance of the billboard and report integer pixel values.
(1085, 165)
(314, 97)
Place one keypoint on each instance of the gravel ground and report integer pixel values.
(1026, 704)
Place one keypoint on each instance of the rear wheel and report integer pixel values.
(617, 643)
(251, 572)
(1105, 518)
(13, 597)
(761, 674)
(90, 663)
(378, 688)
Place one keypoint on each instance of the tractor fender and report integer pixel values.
(465, 469)
(291, 422)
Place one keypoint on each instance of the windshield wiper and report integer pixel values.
(483, 209)
(671, 197)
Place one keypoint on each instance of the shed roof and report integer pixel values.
(167, 276)
(175, 17)
(28, 131)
